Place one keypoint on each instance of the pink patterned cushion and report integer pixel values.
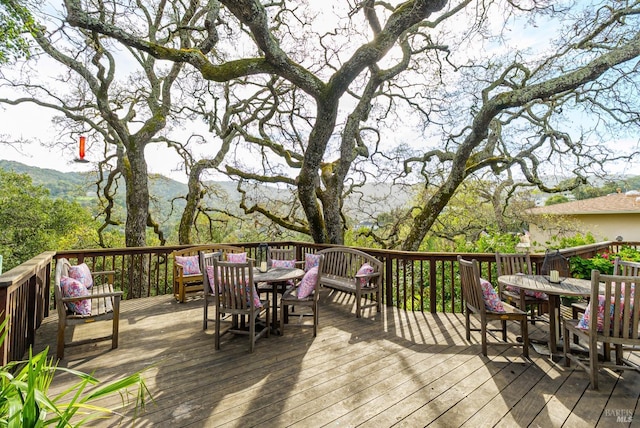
(586, 317)
(491, 299)
(289, 264)
(308, 283)
(237, 257)
(81, 273)
(73, 288)
(190, 264)
(365, 269)
(256, 297)
(210, 277)
(530, 293)
(311, 261)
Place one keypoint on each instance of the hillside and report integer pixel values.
(80, 187)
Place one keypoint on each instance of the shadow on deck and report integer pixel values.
(395, 368)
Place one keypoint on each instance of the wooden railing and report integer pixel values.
(24, 303)
(412, 280)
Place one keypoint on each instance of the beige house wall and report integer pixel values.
(603, 227)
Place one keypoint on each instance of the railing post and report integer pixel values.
(4, 346)
(433, 295)
(388, 279)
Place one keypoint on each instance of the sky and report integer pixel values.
(33, 123)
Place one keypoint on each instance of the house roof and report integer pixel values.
(615, 203)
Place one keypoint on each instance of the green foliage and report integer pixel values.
(581, 268)
(15, 20)
(559, 242)
(497, 242)
(24, 399)
(556, 199)
(33, 222)
(629, 254)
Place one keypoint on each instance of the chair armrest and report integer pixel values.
(103, 272)
(368, 275)
(116, 294)
(179, 269)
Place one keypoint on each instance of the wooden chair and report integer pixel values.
(192, 283)
(234, 291)
(618, 296)
(206, 260)
(620, 267)
(511, 264)
(105, 306)
(278, 254)
(474, 304)
(290, 298)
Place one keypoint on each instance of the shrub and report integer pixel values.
(24, 400)
(581, 268)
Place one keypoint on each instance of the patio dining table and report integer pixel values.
(565, 287)
(278, 277)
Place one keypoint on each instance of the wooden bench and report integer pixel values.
(340, 272)
(105, 305)
(183, 284)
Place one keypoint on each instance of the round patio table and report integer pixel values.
(566, 287)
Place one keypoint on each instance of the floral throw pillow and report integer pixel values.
(190, 264)
(587, 316)
(530, 293)
(585, 321)
(311, 261)
(491, 299)
(210, 277)
(237, 257)
(254, 294)
(365, 269)
(289, 264)
(308, 283)
(73, 288)
(81, 273)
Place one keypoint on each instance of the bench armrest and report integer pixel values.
(368, 275)
(103, 272)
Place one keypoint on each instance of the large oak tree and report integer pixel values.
(329, 95)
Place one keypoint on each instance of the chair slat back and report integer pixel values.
(470, 282)
(206, 260)
(619, 294)
(626, 268)
(234, 282)
(511, 264)
(281, 254)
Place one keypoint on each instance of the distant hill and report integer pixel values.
(80, 187)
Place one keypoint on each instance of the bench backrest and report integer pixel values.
(345, 262)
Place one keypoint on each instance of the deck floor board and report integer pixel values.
(389, 369)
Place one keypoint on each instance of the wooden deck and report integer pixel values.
(394, 369)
